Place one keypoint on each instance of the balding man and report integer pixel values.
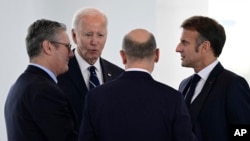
(135, 107)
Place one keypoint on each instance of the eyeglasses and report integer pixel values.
(68, 46)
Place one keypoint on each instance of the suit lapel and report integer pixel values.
(107, 74)
(198, 103)
(76, 75)
(185, 84)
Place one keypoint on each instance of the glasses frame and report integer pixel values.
(68, 46)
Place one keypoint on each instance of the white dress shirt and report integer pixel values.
(84, 69)
(204, 73)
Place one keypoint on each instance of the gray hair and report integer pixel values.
(86, 12)
(39, 31)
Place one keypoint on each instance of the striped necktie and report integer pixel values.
(93, 80)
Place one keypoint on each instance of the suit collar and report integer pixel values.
(198, 103)
(37, 70)
(138, 69)
(75, 74)
(102, 65)
(106, 70)
(204, 73)
(49, 72)
(136, 75)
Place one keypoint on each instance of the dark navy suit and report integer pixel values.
(73, 84)
(36, 109)
(134, 107)
(223, 102)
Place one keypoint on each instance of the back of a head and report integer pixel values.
(39, 31)
(139, 44)
(87, 12)
(209, 29)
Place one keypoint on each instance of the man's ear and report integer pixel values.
(206, 45)
(123, 56)
(157, 55)
(73, 36)
(47, 47)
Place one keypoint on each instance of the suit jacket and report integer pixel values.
(73, 84)
(223, 102)
(36, 109)
(134, 107)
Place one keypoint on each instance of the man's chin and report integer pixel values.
(92, 60)
(64, 70)
(185, 65)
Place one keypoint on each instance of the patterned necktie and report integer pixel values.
(196, 78)
(93, 80)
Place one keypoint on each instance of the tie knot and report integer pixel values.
(92, 70)
(196, 78)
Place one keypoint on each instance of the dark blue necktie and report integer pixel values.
(93, 80)
(196, 78)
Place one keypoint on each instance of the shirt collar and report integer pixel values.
(50, 73)
(204, 73)
(84, 65)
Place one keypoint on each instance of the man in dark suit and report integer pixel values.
(135, 107)
(36, 108)
(89, 34)
(221, 100)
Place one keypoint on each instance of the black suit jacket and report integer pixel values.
(36, 109)
(134, 107)
(73, 84)
(223, 102)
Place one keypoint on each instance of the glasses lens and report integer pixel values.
(68, 46)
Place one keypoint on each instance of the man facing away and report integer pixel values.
(221, 100)
(89, 33)
(135, 107)
(36, 108)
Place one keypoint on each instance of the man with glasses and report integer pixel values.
(68, 46)
(36, 108)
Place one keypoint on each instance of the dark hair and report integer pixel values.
(209, 29)
(137, 49)
(39, 31)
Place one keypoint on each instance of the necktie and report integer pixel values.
(196, 78)
(93, 80)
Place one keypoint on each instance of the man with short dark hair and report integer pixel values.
(221, 98)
